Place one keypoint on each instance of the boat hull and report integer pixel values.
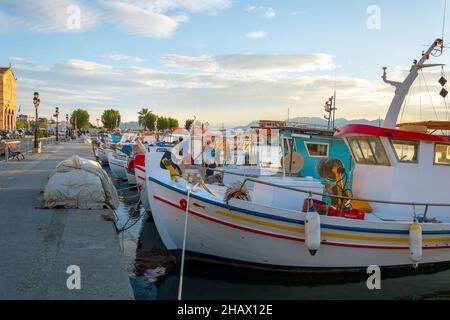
(117, 166)
(101, 155)
(139, 169)
(275, 237)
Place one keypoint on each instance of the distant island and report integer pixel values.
(134, 125)
(320, 122)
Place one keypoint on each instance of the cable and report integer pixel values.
(429, 94)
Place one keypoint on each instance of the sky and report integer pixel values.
(227, 62)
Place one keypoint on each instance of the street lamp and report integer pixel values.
(67, 124)
(36, 102)
(57, 127)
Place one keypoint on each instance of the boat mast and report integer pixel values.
(402, 88)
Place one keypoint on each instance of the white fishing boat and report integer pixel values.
(403, 221)
(140, 171)
(117, 163)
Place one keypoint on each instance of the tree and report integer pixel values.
(149, 120)
(141, 117)
(173, 123)
(163, 123)
(43, 123)
(111, 119)
(80, 119)
(188, 124)
(22, 125)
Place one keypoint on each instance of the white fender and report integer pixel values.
(415, 243)
(312, 232)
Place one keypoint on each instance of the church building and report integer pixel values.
(7, 99)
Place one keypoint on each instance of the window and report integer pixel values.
(406, 150)
(368, 150)
(442, 154)
(316, 149)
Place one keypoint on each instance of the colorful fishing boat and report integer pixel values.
(396, 225)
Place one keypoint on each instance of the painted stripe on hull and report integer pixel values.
(283, 219)
(275, 235)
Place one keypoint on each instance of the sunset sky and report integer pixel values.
(223, 61)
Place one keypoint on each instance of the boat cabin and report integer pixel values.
(314, 146)
(400, 166)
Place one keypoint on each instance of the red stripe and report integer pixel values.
(274, 235)
(358, 129)
(142, 178)
(139, 167)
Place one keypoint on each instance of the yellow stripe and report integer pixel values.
(261, 223)
(364, 238)
(403, 239)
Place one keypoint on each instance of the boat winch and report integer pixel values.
(312, 232)
(333, 170)
(415, 243)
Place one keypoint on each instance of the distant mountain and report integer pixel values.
(321, 122)
(133, 125)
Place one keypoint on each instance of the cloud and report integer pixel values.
(52, 15)
(139, 20)
(264, 12)
(204, 62)
(256, 34)
(156, 18)
(233, 88)
(88, 66)
(209, 6)
(269, 13)
(19, 62)
(123, 57)
(297, 13)
(253, 63)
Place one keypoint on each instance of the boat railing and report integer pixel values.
(414, 205)
(254, 179)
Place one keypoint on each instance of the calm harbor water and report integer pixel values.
(154, 273)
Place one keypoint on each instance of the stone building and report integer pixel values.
(7, 99)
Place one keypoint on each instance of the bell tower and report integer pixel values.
(7, 99)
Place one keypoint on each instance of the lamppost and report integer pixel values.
(57, 125)
(36, 102)
(67, 124)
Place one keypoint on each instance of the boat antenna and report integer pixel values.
(334, 99)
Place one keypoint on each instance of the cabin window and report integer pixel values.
(442, 154)
(317, 149)
(406, 150)
(368, 150)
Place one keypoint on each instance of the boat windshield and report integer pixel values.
(368, 150)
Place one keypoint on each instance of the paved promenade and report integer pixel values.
(38, 245)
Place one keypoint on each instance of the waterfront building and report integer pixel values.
(7, 99)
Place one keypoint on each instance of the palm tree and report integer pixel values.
(141, 117)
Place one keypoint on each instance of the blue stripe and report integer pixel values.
(278, 218)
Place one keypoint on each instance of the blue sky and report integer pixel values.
(224, 61)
